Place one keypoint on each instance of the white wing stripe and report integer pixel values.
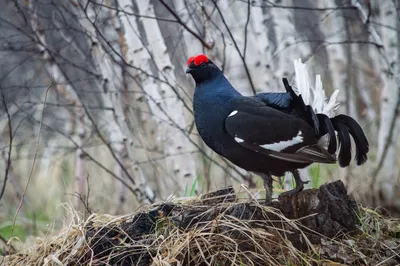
(278, 146)
(233, 113)
(238, 140)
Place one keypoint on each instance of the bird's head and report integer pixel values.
(201, 68)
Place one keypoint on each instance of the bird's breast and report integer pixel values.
(211, 128)
(210, 118)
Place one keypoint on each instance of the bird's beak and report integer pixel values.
(189, 70)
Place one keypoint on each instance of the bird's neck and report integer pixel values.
(212, 102)
(217, 87)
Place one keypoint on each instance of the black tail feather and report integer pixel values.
(312, 119)
(326, 127)
(304, 111)
(344, 157)
(344, 125)
(360, 140)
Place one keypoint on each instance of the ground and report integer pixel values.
(316, 227)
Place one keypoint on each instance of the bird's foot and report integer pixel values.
(267, 178)
(289, 193)
(268, 201)
(294, 191)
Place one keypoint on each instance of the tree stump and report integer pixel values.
(327, 210)
(304, 218)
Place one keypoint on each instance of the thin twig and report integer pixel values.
(84, 199)
(33, 164)
(388, 142)
(245, 29)
(13, 249)
(178, 19)
(87, 195)
(365, 18)
(123, 11)
(273, 5)
(10, 136)
(237, 47)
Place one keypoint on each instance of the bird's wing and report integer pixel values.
(274, 133)
(291, 103)
(277, 100)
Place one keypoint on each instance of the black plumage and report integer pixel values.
(270, 133)
(326, 127)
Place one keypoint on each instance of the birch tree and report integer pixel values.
(120, 110)
(387, 141)
(164, 102)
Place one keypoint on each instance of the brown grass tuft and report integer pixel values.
(224, 233)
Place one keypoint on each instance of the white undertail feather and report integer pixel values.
(313, 96)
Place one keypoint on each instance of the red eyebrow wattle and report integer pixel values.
(200, 59)
(190, 60)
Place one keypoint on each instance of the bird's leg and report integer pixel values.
(299, 184)
(267, 178)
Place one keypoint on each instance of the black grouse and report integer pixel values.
(271, 133)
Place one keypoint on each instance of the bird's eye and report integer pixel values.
(203, 65)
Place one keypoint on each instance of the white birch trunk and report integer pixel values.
(335, 31)
(115, 135)
(257, 55)
(192, 47)
(389, 95)
(260, 49)
(366, 95)
(141, 119)
(286, 52)
(115, 122)
(233, 12)
(58, 77)
(164, 103)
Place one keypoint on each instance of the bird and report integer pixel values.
(270, 134)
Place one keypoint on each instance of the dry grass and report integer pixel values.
(196, 233)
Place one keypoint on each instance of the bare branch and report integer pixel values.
(123, 11)
(184, 25)
(246, 28)
(237, 48)
(365, 18)
(135, 191)
(388, 141)
(84, 199)
(10, 136)
(269, 4)
(33, 163)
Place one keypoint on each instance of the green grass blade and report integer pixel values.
(193, 188)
